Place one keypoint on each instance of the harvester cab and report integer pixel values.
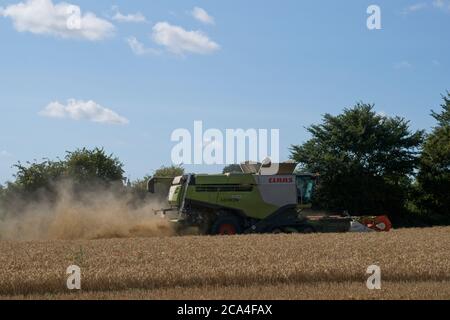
(305, 188)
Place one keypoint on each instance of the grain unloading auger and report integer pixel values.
(265, 198)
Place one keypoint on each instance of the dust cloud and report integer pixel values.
(95, 214)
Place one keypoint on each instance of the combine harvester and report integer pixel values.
(265, 198)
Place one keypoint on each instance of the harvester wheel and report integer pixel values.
(226, 225)
(306, 229)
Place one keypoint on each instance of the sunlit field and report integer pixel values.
(415, 264)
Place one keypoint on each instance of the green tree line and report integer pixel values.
(82, 170)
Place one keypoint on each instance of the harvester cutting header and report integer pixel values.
(264, 198)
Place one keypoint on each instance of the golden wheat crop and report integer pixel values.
(296, 291)
(415, 263)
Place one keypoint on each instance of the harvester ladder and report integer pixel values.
(183, 202)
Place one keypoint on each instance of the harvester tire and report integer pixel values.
(226, 225)
(276, 231)
(306, 229)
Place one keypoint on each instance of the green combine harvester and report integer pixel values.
(264, 198)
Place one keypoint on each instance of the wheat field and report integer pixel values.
(415, 264)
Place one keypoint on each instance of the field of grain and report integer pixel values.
(415, 264)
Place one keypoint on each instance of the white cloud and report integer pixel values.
(132, 17)
(82, 110)
(403, 65)
(62, 20)
(178, 40)
(414, 8)
(139, 48)
(202, 16)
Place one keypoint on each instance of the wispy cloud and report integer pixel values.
(415, 7)
(62, 20)
(402, 65)
(202, 16)
(179, 41)
(442, 4)
(131, 17)
(82, 110)
(139, 48)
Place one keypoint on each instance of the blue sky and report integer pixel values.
(255, 64)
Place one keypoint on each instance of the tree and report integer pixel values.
(434, 173)
(86, 166)
(84, 169)
(365, 160)
(443, 118)
(171, 171)
(33, 180)
(37, 176)
(232, 168)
